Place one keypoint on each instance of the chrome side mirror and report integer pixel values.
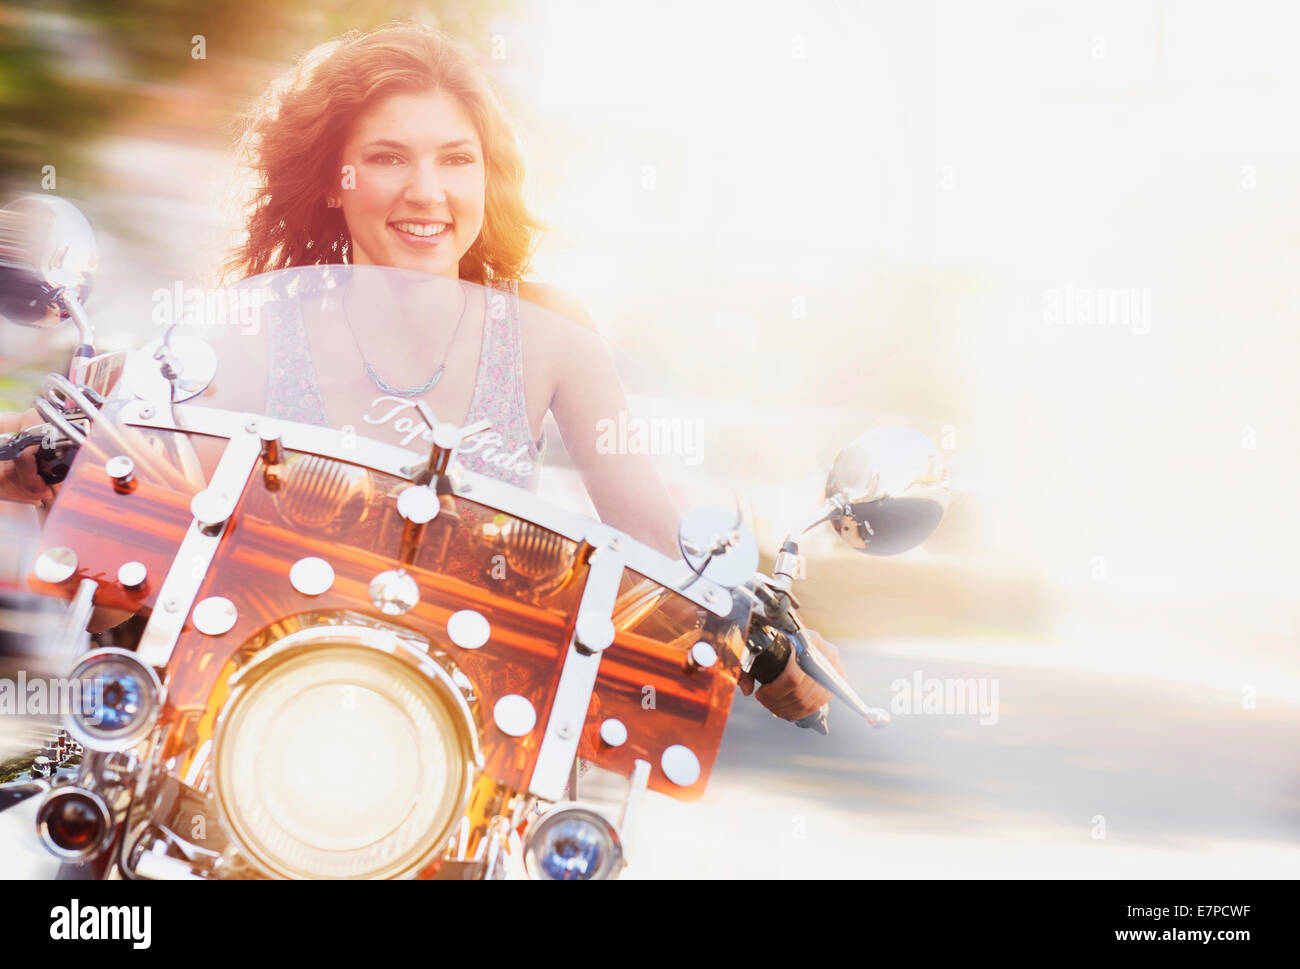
(48, 261)
(889, 489)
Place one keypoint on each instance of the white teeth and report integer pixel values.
(419, 229)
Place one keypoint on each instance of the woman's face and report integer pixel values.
(420, 177)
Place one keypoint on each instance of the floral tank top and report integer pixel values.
(506, 452)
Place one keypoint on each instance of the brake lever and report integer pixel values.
(815, 664)
(20, 441)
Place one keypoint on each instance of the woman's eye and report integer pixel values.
(387, 158)
(463, 159)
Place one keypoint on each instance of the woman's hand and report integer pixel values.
(19, 481)
(794, 694)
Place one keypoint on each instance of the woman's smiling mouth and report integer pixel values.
(422, 235)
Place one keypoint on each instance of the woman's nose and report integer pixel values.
(424, 187)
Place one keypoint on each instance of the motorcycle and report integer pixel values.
(342, 658)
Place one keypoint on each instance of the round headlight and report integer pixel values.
(343, 754)
(573, 844)
(119, 699)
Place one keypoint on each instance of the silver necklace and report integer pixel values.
(437, 374)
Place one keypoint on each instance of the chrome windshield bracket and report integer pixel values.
(193, 558)
(593, 633)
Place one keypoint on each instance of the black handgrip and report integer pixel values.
(771, 662)
(54, 466)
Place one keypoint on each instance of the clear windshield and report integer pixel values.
(524, 578)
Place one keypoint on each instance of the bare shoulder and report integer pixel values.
(558, 334)
(556, 300)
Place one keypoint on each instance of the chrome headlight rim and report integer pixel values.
(327, 638)
(89, 735)
(573, 810)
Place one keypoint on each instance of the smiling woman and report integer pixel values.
(389, 149)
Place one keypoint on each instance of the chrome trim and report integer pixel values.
(636, 788)
(194, 557)
(702, 655)
(15, 792)
(402, 463)
(55, 565)
(215, 616)
(74, 638)
(122, 470)
(308, 438)
(394, 592)
(577, 678)
(468, 629)
(62, 793)
(580, 810)
(514, 715)
(159, 867)
(84, 670)
(613, 732)
(680, 765)
(52, 415)
(311, 576)
(132, 575)
(272, 446)
(417, 504)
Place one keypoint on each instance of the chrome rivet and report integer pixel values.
(594, 631)
(394, 593)
(703, 655)
(172, 605)
(215, 616)
(417, 504)
(56, 564)
(147, 412)
(564, 730)
(209, 509)
(311, 576)
(615, 544)
(251, 427)
(710, 595)
(468, 629)
(680, 765)
(514, 715)
(613, 732)
(446, 436)
(122, 470)
(272, 450)
(132, 575)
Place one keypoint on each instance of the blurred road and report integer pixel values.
(1083, 775)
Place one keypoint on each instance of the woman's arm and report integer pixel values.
(625, 488)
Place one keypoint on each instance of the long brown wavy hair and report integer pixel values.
(293, 134)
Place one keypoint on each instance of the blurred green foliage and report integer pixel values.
(72, 71)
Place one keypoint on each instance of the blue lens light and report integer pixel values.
(573, 850)
(119, 700)
(113, 699)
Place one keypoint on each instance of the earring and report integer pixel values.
(332, 202)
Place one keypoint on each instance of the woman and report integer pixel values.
(387, 148)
